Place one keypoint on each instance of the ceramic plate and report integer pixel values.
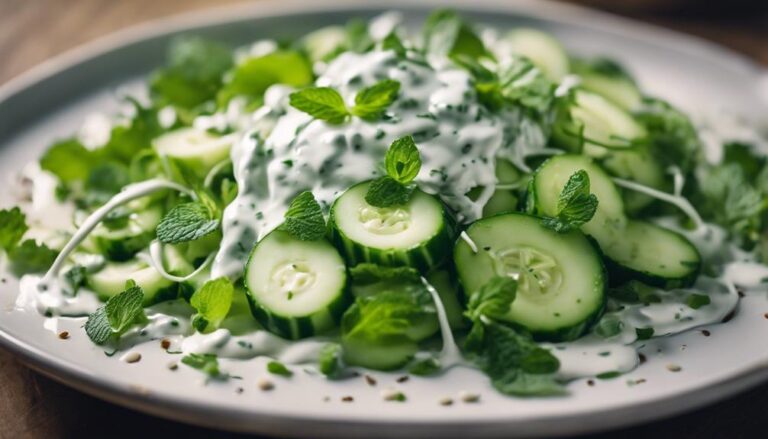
(50, 101)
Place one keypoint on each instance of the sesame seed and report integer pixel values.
(347, 399)
(674, 368)
(469, 397)
(165, 344)
(403, 379)
(370, 380)
(131, 357)
(446, 401)
(392, 395)
(173, 365)
(266, 385)
(64, 335)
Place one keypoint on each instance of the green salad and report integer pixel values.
(457, 196)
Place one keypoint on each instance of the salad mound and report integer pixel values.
(455, 197)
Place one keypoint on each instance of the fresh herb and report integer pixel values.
(251, 78)
(644, 333)
(212, 302)
(74, 278)
(696, 301)
(31, 257)
(393, 42)
(69, 160)
(673, 138)
(446, 33)
(13, 225)
(402, 164)
(576, 204)
(116, 316)
(322, 103)
(206, 363)
(330, 363)
(194, 73)
(187, 222)
(371, 102)
(426, 367)
(513, 361)
(304, 218)
(609, 327)
(277, 368)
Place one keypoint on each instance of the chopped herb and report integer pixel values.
(609, 327)
(206, 363)
(696, 301)
(425, 367)
(644, 333)
(330, 360)
(13, 225)
(277, 368)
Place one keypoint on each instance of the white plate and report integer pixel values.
(52, 100)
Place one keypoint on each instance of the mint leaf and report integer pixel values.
(277, 368)
(393, 42)
(187, 222)
(69, 160)
(403, 161)
(212, 302)
(75, 278)
(609, 327)
(124, 309)
(13, 225)
(251, 78)
(116, 316)
(31, 257)
(576, 205)
(97, 327)
(696, 301)
(386, 192)
(445, 33)
(304, 218)
(194, 73)
(206, 363)
(322, 103)
(523, 84)
(371, 102)
(493, 299)
(330, 362)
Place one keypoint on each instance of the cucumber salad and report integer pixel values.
(371, 197)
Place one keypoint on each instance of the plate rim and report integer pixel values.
(179, 409)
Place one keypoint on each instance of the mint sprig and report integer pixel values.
(371, 102)
(116, 316)
(212, 301)
(576, 205)
(402, 164)
(304, 218)
(206, 363)
(326, 103)
(13, 225)
(188, 222)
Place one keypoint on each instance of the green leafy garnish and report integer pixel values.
(576, 205)
(194, 73)
(513, 361)
(277, 368)
(371, 102)
(74, 278)
(609, 327)
(322, 103)
(187, 222)
(425, 367)
(116, 316)
(212, 302)
(644, 333)
(251, 78)
(304, 218)
(206, 363)
(446, 33)
(402, 164)
(696, 301)
(13, 225)
(69, 160)
(393, 42)
(31, 257)
(330, 362)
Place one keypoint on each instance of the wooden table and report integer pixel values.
(33, 406)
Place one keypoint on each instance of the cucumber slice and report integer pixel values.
(610, 81)
(561, 278)
(503, 199)
(296, 288)
(324, 42)
(198, 150)
(549, 180)
(123, 243)
(602, 124)
(653, 255)
(414, 235)
(544, 50)
(446, 286)
(636, 164)
(110, 280)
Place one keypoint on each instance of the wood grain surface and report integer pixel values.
(33, 406)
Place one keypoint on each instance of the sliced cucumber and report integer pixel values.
(503, 199)
(111, 279)
(561, 278)
(609, 220)
(414, 235)
(448, 290)
(324, 42)
(296, 288)
(601, 125)
(636, 164)
(121, 244)
(544, 50)
(610, 81)
(198, 150)
(653, 255)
